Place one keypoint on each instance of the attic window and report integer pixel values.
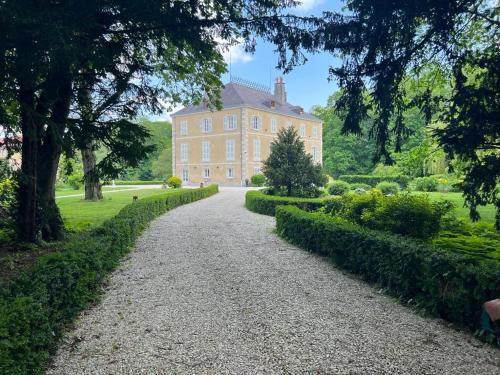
(299, 110)
(273, 104)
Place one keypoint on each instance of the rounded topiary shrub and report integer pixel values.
(174, 182)
(258, 180)
(429, 183)
(338, 187)
(388, 188)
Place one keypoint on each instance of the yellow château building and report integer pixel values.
(227, 147)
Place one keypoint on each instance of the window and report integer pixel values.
(206, 172)
(274, 125)
(256, 170)
(206, 125)
(315, 132)
(184, 127)
(230, 172)
(205, 151)
(230, 122)
(184, 152)
(314, 152)
(230, 143)
(185, 175)
(302, 130)
(288, 124)
(255, 122)
(256, 149)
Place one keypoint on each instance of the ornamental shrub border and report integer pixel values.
(35, 308)
(452, 286)
(265, 204)
(374, 180)
(137, 182)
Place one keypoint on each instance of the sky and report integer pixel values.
(307, 85)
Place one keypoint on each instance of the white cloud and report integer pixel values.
(234, 53)
(309, 4)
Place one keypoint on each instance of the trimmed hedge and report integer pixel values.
(265, 204)
(35, 308)
(450, 285)
(374, 180)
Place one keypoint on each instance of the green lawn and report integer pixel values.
(79, 214)
(70, 191)
(487, 212)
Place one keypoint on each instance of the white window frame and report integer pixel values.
(302, 130)
(230, 173)
(183, 128)
(256, 149)
(274, 125)
(206, 172)
(314, 153)
(315, 132)
(205, 150)
(230, 149)
(230, 122)
(185, 175)
(184, 152)
(256, 122)
(206, 125)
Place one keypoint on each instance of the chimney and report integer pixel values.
(279, 90)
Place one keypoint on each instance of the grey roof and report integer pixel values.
(237, 95)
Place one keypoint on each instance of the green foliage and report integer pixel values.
(405, 214)
(7, 206)
(266, 204)
(258, 180)
(360, 186)
(174, 182)
(75, 180)
(428, 184)
(5, 170)
(388, 188)
(386, 170)
(35, 308)
(452, 286)
(289, 169)
(338, 187)
(374, 180)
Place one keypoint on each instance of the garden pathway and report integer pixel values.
(210, 289)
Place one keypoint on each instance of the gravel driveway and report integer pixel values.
(210, 289)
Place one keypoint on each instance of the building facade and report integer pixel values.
(228, 147)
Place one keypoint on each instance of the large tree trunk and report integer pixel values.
(51, 223)
(27, 192)
(93, 189)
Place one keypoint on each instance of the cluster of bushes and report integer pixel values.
(7, 207)
(372, 180)
(438, 183)
(258, 180)
(450, 285)
(174, 182)
(405, 214)
(339, 187)
(35, 307)
(265, 204)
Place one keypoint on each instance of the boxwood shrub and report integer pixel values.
(36, 306)
(402, 180)
(265, 204)
(452, 286)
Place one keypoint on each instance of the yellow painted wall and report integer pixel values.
(217, 137)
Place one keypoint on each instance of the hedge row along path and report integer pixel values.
(210, 289)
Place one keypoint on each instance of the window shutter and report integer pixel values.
(259, 121)
(226, 122)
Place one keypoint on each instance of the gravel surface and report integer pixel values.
(210, 289)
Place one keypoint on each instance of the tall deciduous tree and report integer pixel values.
(52, 51)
